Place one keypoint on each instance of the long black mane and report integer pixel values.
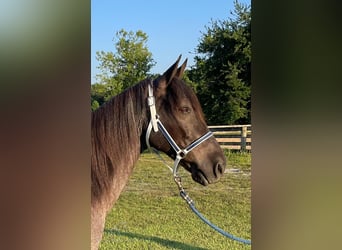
(115, 133)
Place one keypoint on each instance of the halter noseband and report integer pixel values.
(157, 125)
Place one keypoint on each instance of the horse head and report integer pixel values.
(181, 114)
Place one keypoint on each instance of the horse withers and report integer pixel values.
(118, 130)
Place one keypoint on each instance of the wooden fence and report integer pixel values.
(235, 137)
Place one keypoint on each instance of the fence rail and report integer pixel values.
(235, 137)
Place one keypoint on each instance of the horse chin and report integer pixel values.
(199, 177)
(196, 174)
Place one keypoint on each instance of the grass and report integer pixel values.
(151, 215)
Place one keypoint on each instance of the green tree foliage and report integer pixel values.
(222, 72)
(128, 65)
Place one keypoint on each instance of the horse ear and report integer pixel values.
(172, 71)
(181, 69)
(163, 81)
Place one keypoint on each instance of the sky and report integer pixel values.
(173, 27)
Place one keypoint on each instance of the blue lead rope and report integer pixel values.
(184, 195)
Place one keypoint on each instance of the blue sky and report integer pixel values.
(173, 27)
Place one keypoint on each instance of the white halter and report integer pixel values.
(157, 125)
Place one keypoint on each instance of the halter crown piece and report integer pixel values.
(157, 125)
(151, 102)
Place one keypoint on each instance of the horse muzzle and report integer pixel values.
(209, 173)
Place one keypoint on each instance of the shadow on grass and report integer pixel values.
(160, 241)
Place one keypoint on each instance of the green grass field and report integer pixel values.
(151, 215)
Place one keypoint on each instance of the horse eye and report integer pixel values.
(185, 110)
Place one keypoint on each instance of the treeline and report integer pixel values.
(221, 76)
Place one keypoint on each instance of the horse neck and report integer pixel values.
(117, 127)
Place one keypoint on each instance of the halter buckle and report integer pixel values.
(151, 101)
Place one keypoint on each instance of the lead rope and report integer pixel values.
(191, 204)
(157, 125)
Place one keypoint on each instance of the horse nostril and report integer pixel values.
(219, 169)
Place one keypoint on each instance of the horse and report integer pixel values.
(118, 131)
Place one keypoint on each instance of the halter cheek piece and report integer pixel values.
(157, 125)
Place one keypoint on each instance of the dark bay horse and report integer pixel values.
(118, 130)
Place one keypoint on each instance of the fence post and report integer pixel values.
(243, 137)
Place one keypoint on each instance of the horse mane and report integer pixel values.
(115, 133)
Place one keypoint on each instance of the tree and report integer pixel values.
(223, 67)
(128, 65)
